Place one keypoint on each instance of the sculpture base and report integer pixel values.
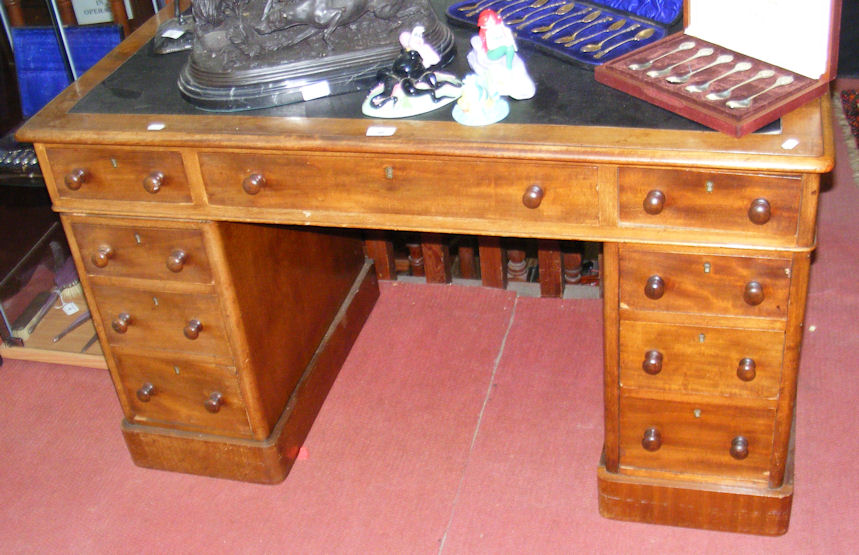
(235, 66)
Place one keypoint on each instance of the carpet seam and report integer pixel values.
(495, 366)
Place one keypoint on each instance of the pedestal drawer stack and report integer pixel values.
(701, 373)
(216, 359)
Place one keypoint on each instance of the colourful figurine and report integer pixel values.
(414, 40)
(479, 104)
(495, 56)
(409, 89)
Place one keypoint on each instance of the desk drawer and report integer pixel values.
(163, 321)
(119, 174)
(699, 359)
(696, 437)
(403, 186)
(753, 204)
(141, 251)
(704, 283)
(183, 394)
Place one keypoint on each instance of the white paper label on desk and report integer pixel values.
(381, 131)
(316, 90)
(173, 33)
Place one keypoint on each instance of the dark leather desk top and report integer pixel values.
(567, 94)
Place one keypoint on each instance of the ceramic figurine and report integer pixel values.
(479, 103)
(494, 55)
(414, 40)
(409, 89)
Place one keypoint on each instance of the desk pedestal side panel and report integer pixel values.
(220, 349)
(700, 385)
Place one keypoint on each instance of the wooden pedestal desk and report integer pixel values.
(222, 258)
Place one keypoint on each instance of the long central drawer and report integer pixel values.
(523, 191)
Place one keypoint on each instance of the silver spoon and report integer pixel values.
(591, 17)
(613, 27)
(688, 45)
(644, 34)
(593, 47)
(679, 79)
(667, 71)
(722, 95)
(746, 102)
(534, 5)
(528, 20)
(701, 87)
(479, 5)
(550, 26)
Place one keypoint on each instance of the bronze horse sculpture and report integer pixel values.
(320, 15)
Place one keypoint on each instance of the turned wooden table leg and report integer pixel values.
(416, 258)
(551, 275)
(381, 250)
(466, 260)
(437, 263)
(14, 12)
(493, 262)
(67, 12)
(117, 8)
(517, 265)
(572, 262)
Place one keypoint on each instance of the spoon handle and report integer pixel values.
(598, 45)
(570, 40)
(639, 36)
(551, 26)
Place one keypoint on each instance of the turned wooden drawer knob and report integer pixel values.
(652, 362)
(654, 202)
(146, 392)
(192, 329)
(652, 439)
(120, 323)
(75, 178)
(214, 402)
(533, 196)
(760, 211)
(740, 448)
(176, 260)
(102, 256)
(153, 182)
(253, 183)
(746, 370)
(753, 293)
(654, 288)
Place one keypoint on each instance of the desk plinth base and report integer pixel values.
(270, 460)
(710, 506)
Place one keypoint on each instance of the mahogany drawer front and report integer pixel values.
(696, 437)
(154, 319)
(708, 200)
(143, 252)
(182, 394)
(704, 283)
(119, 174)
(699, 359)
(523, 191)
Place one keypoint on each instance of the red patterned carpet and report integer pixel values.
(448, 431)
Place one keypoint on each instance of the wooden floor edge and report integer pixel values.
(54, 357)
(268, 461)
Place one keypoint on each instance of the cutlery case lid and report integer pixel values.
(660, 16)
(748, 35)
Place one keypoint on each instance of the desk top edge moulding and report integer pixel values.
(172, 212)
